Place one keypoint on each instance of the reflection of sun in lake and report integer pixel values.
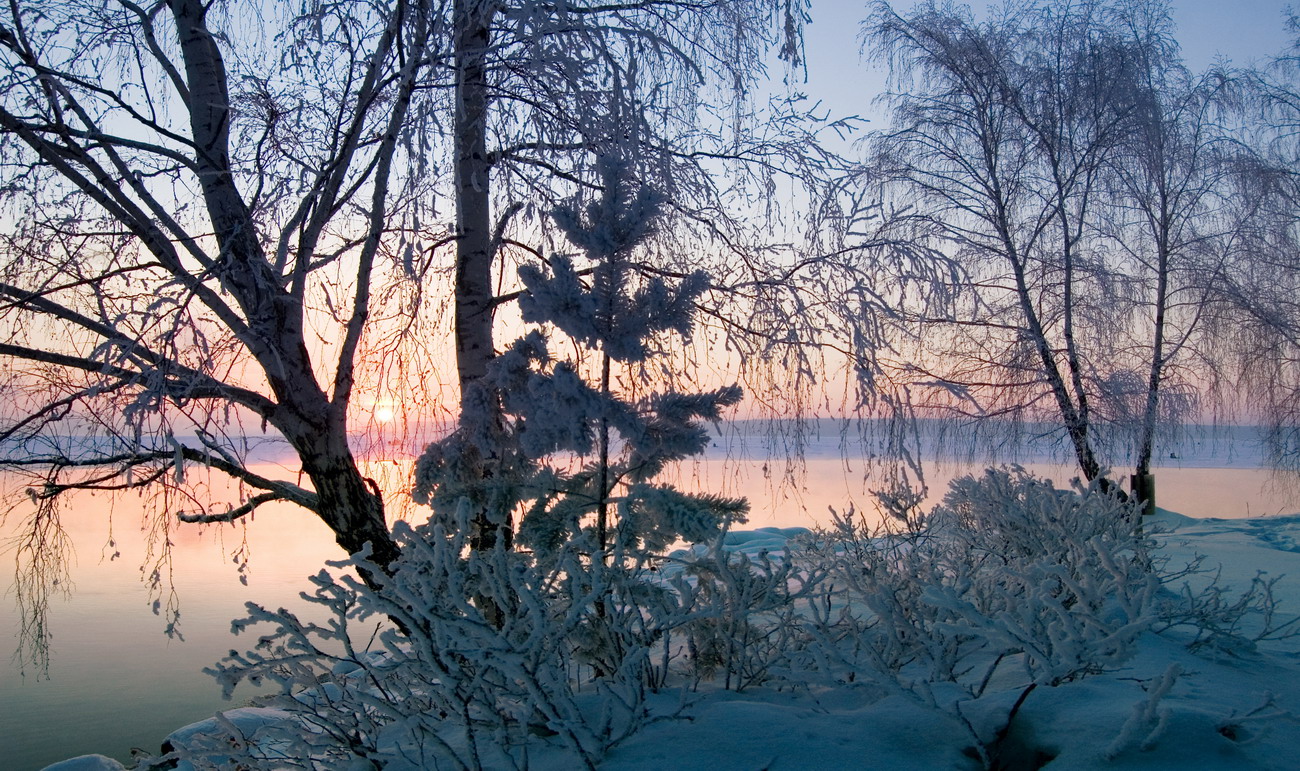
(384, 413)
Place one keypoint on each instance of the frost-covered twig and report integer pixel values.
(1147, 722)
(1221, 618)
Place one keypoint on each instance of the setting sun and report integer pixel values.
(384, 414)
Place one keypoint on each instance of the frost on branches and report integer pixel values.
(977, 611)
(533, 406)
(497, 642)
(1008, 573)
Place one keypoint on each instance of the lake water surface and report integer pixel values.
(116, 681)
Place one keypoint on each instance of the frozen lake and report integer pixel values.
(116, 681)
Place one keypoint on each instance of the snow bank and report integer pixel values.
(86, 763)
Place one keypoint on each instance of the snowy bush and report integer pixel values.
(490, 658)
(1217, 617)
(1008, 573)
(1148, 719)
(743, 617)
(574, 663)
(457, 688)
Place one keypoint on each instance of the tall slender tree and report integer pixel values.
(547, 410)
(1074, 172)
(1000, 130)
(1171, 232)
(1265, 337)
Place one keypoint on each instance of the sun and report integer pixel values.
(384, 414)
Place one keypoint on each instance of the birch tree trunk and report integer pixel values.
(316, 428)
(474, 296)
(474, 252)
(198, 307)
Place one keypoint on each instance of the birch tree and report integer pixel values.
(1265, 336)
(186, 220)
(1172, 233)
(1000, 130)
(1076, 174)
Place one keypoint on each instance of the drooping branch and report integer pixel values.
(191, 385)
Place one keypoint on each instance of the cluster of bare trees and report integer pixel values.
(224, 220)
(1117, 226)
(228, 219)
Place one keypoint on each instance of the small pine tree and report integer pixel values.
(533, 407)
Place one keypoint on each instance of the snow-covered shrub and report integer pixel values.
(573, 662)
(743, 612)
(458, 688)
(1007, 572)
(1221, 618)
(1148, 720)
(1254, 724)
(1061, 576)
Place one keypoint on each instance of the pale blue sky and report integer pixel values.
(1240, 30)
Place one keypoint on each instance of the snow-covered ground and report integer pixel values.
(1225, 710)
(1228, 705)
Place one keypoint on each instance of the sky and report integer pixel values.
(1240, 30)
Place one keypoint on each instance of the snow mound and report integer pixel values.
(86, 763)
